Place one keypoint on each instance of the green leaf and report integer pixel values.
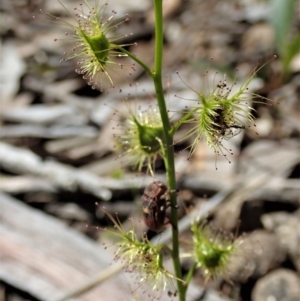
(292, 49)
(281, 18)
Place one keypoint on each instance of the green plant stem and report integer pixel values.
(131, 55)
(190, 275)
(181, 121)
(169, 160)
(156, 75)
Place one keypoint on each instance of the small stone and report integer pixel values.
(259, 253)
(279, 285)
(287, 229)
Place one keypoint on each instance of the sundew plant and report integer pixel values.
(220, 112)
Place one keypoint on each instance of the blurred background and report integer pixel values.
(57, 154)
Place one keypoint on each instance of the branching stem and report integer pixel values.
(156, 75)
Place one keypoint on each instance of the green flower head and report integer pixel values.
(212, 251)
(141, 137)
(222, 111)
(94, 44)
(143, 259)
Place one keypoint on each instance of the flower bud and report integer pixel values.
(94, 44)
(144, 259)
(222, 111)
(142, 136)
(212, 251)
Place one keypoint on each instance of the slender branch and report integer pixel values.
(181, 121)
(131, 55)
(190, 274)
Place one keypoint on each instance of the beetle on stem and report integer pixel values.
(155, 201)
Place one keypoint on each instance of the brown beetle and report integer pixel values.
(154, 201)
